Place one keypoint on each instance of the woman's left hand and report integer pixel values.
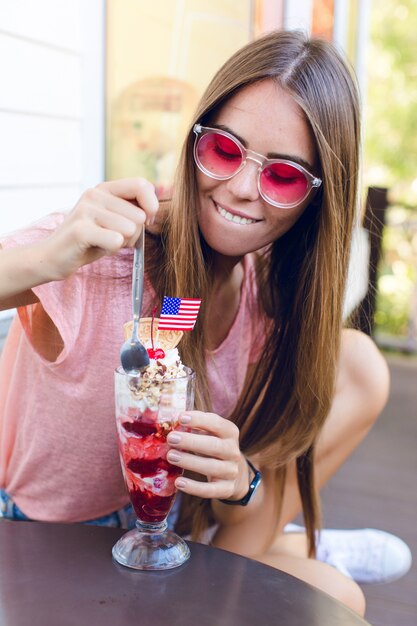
(210, 448)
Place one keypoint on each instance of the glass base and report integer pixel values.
(151, 547)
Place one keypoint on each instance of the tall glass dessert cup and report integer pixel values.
(148, 407)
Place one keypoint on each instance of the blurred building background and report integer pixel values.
(51, 105)
(105, 89)
(102, 89)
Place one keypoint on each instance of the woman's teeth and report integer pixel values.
(234, 218)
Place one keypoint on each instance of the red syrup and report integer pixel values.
(150, 477)
(150, 508)
(140, 428)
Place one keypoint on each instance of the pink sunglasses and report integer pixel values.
(282, 183)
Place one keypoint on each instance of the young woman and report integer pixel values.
(259, 227)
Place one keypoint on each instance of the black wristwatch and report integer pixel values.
(256, 481)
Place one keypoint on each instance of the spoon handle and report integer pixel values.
(137, 280)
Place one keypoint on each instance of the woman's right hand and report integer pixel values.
(105, 219)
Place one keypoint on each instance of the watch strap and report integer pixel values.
(253, 485)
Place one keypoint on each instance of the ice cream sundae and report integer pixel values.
(145, 413)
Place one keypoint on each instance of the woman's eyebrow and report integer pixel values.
(232, 132)
(270, 155)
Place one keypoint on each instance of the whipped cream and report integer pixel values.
(165, 368)
(148, 386)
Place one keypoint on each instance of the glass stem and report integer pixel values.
(147, 527)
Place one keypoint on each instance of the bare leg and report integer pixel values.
(361, 393)
(320, 575)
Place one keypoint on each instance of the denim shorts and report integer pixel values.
(123, 518)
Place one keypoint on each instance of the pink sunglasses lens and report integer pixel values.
(283, 183)
(218, 155)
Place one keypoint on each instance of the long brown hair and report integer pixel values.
(301, 277)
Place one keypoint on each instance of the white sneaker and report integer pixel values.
(367, 555)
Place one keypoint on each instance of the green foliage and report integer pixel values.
(390, 142)
(391, 104)
(397, 275)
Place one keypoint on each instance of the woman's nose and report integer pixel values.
(244, 184)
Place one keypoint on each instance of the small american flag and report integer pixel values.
(179, 313)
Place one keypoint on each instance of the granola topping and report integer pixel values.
(149, 385)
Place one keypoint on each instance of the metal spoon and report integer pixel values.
(133, 354)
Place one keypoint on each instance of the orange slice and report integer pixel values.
(165, 339)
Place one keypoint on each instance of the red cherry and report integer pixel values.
(156, 354)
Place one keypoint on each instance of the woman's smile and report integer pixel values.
(234, 216)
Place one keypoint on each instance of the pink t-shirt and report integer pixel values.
(58, 445)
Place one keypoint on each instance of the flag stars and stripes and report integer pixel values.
(179, 313)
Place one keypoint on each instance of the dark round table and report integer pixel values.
(64, 575)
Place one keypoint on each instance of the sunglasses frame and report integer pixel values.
(313, 182)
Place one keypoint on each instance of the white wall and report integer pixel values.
(51, 105)
(298, 14)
